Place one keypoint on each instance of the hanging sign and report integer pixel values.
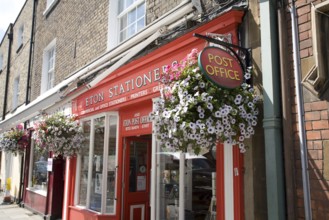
(220, 67)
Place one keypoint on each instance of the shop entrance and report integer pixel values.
(137, 162)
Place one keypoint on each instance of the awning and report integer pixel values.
(65, 91)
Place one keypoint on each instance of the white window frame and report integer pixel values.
(105, 164)
(114, 22)
(20, 36)
(50, 5)
(317, 77)
(48, 74)
(15, 98)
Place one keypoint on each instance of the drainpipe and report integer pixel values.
(27, 100)
(272, 111)
(300, 112)
(28, 87)
(10, 37)
(286, 113)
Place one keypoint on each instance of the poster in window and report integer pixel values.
(111, 163)
(141, 183)
(98, 183)
(98, 163)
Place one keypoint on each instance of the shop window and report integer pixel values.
(96, 167)
(15, 93)
(38, 176)
(199, 185)
(318, 75)
(48, 67)
(128, 19)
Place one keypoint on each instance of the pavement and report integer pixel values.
(11, 211)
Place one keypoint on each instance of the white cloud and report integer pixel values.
(9, 10)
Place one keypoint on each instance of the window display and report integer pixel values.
(96, 173)
(39, 174)
(199, 175)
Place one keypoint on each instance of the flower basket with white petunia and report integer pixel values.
(15, 140)
(59, 133)
(193, 113)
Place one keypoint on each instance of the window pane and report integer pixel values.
(140, 24)
(132, 16)
(129, 2)
(84, 158)
(39, 178)
(50, 79)
(123, 35)
(141, 10)
(121, 6)
(123, 22)
(111, 166)
(51, 58)
(131, 30)
(97, 169)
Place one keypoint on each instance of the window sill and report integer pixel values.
(50, 7)
(37, 191)
(19, 48)
(89, 211)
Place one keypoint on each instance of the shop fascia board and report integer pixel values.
(65, 91)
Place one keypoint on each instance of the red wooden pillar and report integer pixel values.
(220, 194)
(237, 182)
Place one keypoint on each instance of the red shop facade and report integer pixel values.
(121, 172)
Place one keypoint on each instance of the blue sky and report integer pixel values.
(9, 10)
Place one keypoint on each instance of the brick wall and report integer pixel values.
(80, 29)
(316, 126)
(20, 55)
(4, 52)
(19, 58)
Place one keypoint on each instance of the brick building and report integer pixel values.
(15, 49)
(82, 43)
(310, 191)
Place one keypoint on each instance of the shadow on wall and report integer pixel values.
(319, 189)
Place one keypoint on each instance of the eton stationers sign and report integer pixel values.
(220, 67)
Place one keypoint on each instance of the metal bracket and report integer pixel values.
(242, 54)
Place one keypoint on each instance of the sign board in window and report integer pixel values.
(50, 165)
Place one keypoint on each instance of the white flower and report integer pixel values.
(211, 130)
(247, 76)
(200, 109)
(166, 114)
(192, 125)
(202, 126)
(218, 114)
(210, 106)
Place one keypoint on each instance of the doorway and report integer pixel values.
(137, 174)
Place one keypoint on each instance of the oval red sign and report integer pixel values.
(220, 67)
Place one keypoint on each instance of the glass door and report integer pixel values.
(137, 178)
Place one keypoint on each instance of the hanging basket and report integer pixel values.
(15, 140)
(59, 133)
(194, 113)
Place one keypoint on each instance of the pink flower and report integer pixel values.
(19, 127)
